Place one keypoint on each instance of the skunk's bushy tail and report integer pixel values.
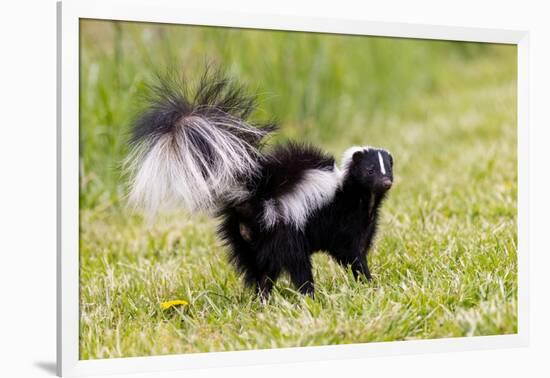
(193, 148)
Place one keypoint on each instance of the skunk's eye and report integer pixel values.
(370, 171)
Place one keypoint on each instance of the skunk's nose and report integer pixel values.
(386, 183)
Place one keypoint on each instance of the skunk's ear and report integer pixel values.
(391, 160)
(357, 156)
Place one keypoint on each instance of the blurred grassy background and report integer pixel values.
(445, 261)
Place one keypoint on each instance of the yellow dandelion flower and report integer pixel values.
(174, 303)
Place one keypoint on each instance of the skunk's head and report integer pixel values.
(369, 167)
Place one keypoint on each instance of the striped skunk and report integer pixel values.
(276, 207)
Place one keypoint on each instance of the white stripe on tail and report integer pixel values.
(174, 170)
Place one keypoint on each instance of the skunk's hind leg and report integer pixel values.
(256, 275)
(298, 261)
(265, 281)
(285, 249)
(237, 236)
(300, 275)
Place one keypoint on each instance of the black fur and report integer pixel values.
(284, 167)
(343, 227)
(261, 255)
(346, 227)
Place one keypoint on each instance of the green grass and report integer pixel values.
(445, 261)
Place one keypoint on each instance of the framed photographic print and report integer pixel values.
(241, 189)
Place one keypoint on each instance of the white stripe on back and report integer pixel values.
(316, 189)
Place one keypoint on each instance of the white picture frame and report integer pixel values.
(69, 14)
